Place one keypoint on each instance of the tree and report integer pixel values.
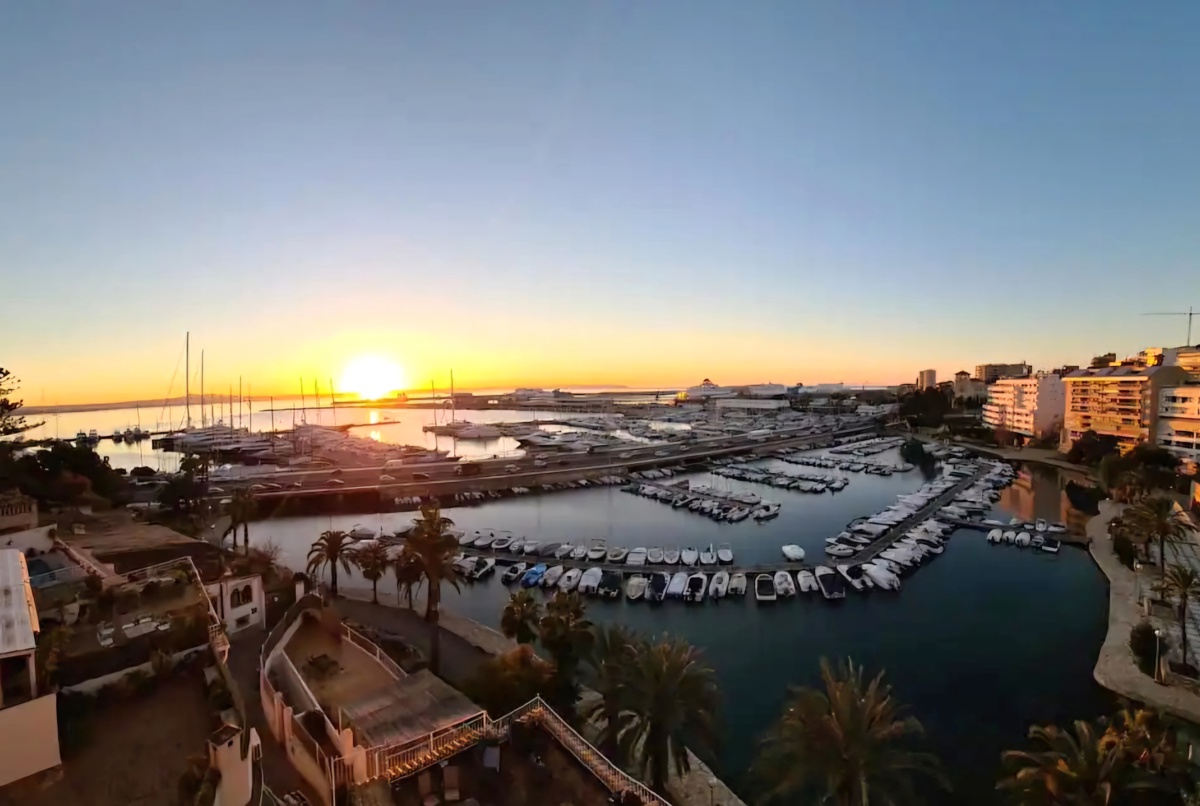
(510, 680)
(1182, 583)
(1091, 448)
(407, 570)
(332, 548)
(431, 542)
(567, 635)
(844, 744)
(672, 699)
(242, 508)
(373, 561)
(10, 421)
(521, 617)
(614, 651)
(1157, 520)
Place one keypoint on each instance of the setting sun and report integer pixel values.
(371, 377)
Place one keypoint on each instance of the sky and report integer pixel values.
(618, 192)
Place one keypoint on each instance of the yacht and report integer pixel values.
(533, 576)
(617, 554)
(560, 553)
(830, 583)
(611, 584)
(483, 567)
(117, 436)
(793, 552)
(737, 584)
(725, 554)
(597, 550)
(840, 550)
(784, 587)
(677, 585)
(881, 576)
(81, 436)
(570, 580)
(579, 552)
(764, 588)
(551, 577)
(806, 581)
(689, 556)
(513, 573)
(657, 591)
(636, 557)
(635, 588)
(654, 556)
(589, 583)
(719, 585)
(697, 586)
(708, 556)
(853, 574)
(481, 542)
(670, 556)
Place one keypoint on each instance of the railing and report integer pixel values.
(58, 576)
(371, 648)
(387, 762)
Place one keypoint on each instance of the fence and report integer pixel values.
(58, 576)
(371, 648)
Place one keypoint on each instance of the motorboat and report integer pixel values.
(784, 586)
(533, 576)
(579, 552)
(468, 539)
(764, 588)
(513, 573)
(853, 575)
(708, 556)
(697, 586)
(570, 580)
(552, 575)
(806, 581)
(1051, 545)
(654, 556)
(840, 550)
(597, 550)
(611, 584)
(881, 576)
(501, 543)
(725, 554)
(484, 540)
(635, 587)
(1037, 541)
(1056, 528)
(737, 584)
(483, 567)
(589, 583)
(677, 585)
(766, 511)
(930, 544)
(562, 552)
(670, 556)
(517, 546)
(830, 583)
(463, 564)
(995, 536)
(1022, 539)
(617, 554)
(549, 549)
(1040, 525)
(657, 590)
(900, 557)
(689, 556)
(531, 547)
(636, 557)
(793, 553)
(363, 533)
(1009, 536)
(719, 585)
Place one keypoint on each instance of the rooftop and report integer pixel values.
(116, 538)
(335, 670)
(18, 614)
(407, 710)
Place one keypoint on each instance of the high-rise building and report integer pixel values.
(990, 373)
(927, 379)
(1032, 407)
(1121, 401)
(1178, 428)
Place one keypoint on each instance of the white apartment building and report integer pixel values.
(1178, 428)
(1032, 407)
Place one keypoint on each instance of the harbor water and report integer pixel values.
(981, 641)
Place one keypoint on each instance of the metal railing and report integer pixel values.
(58, 576)
(392, 762)
(371, 648)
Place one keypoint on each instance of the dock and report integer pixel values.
(885, 541)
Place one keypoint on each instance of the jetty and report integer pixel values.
(885, 541)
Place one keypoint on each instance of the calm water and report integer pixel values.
(981, 642)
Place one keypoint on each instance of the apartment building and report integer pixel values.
(1179, 421)
(1032, 407)
(990, 373)
(1121, 401)
(1186, 357)
(965, 386)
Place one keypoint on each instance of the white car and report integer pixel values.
(539, 463)
(626, 455)
(511, 468)
(661, 453)
(386, 477)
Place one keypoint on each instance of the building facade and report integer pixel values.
(1032, 407)
(1178, 427)
(18, 513)
(927, 379)
(1187, 358)
(965, 386)
(990, 373)
(1122, 402)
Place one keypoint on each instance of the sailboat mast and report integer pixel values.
(453, 405)
(187, 376)
(239, 401)
(203, 422)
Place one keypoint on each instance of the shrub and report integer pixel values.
(1146, 646)
(1125, 550)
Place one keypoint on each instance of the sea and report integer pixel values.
(981, 642)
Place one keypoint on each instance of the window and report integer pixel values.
(235, 598)
(247, 595)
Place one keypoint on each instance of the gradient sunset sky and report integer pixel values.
(561, 193)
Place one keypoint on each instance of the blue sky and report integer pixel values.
(616, 192)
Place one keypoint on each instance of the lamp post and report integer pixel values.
(1157, 645)
(712, 782)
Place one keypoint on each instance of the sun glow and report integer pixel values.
(372, 377)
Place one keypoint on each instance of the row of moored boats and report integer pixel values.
(598, 550)
(799, 482)
(718, 505)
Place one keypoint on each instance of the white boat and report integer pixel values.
(806, 581)
(579, 552)
(881, 576)
(484, 541)
(501, 543)
(513, 573)
(670, 556)
(467, 539)
(719, 585)
(597, 550)
(589, 583)
(654, 556)
(737, 584)
(725, 554)
(830, 583)
(855, 580)
(1041, 525)
(570, 580)
(995, 536)
(550, 579)
(1009, 536)
(483, 567)
(1022, 539)
(764, 588)
(531, 547)
(1056, 528)
(617, 554)
(784, 586)
(636, 557)
(1051, 545)
(560, 553)
(689, 556)
(363, 533)
(635, 588)
(708, 556)
(793, 552)
(697, 586)
(656, 591)
(677, 585)
(517, 546)
(840, 550)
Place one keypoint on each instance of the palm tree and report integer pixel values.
(613, 653)
(407, 569)
(332, 548)
(672, 698)
(242, 508)
(1182, 583)
(844, 744)
(567, 635)
(521, 617)
(1077, 768)
(373, 561)
(434, 547)
(1156, 518)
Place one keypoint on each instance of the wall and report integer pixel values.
(255, 609)
(29, 539)
(96, 683)
(237, 773)
(31, 738)
(291, 685)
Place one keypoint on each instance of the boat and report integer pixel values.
(793, 552)
(617, 554)
(551, 577)
(81, 437)
(1040, 525)
(513, 573)
(1056, 528)
(1022, 539)
(853, 574)
(784, 586)
(611, 584)
(719, 585)
(117, 437)
(635, 588)
(533, 576)
(654, 556)
(806, 581)
(363, 533)
(483, 567)
(636, 557)
(1051, 545)
(549, 549)
(579, 552)
(517, 546)
(725, 554)
(689, 556)
(560, 553)
(995, 536)
(708, 556)
(570, 580)
(657, 590)
(764, 588)
(670, 556)
(483, 541)
(531, 547)
(1009, 536)
(501, 543)
(1038, 541)
(697, 586)
(766, 511)
(881, 576)
(737, 584)
(830, 583)
(589, 583)
(677, 585)
(597, 550)
(840, 550)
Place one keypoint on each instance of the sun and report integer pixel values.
(372, 377)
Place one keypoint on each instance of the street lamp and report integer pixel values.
(712, 782)
(1157, 645)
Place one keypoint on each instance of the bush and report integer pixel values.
(1146, 646)
(1125, 550)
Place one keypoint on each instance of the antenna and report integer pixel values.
(1188, 313)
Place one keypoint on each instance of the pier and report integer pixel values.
(885, 541)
